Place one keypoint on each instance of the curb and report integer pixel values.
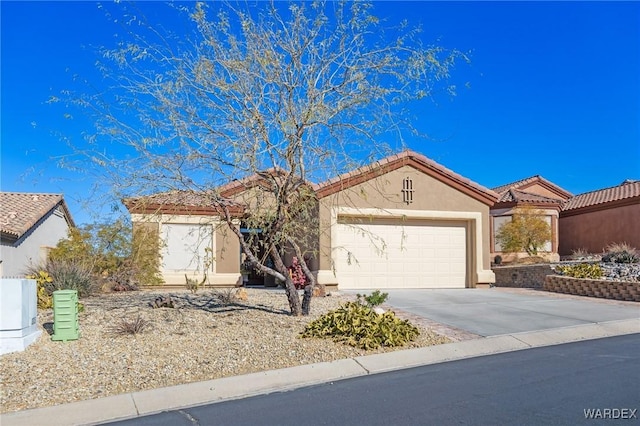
(131, 405)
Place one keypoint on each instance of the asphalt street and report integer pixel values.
(553, 385)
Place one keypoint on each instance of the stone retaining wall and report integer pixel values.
(522, 276)
(618, 290)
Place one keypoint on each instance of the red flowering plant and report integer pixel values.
(297, 274)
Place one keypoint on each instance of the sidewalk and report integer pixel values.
(135, 404)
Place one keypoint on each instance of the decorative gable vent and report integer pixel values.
(407, 190)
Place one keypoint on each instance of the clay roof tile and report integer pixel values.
(19, 212)
(628, 189)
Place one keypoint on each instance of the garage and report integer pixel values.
(401, 254)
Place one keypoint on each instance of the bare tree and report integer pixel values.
(289, 92)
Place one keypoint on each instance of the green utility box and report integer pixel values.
(65, 315)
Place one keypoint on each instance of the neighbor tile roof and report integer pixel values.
(502, 188)
(176, 197)
(21, 211)
(180, 202)
(628, 189)
(517, 196)
(533, 179)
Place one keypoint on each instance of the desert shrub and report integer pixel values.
(119, 257)
(130, 326)
(44, 288)
(527, 231)
(225, 297)
(62, 275)
(582, 270)
(193, 285)
(374, 299)
(145, 254)
(620, 253)
(579, 254)
(72, 276)
(358, 325)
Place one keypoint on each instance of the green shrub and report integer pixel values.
(358, 325)
(582, 270)
(119, 256)
(620, 253)
(44, 288)
(374, 299)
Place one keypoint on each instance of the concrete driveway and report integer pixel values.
(495, 311)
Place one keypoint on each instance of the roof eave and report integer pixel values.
(392, 163)
(629, 201)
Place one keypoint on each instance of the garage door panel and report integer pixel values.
(395, 256)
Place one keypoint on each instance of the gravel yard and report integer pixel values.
(197, 340)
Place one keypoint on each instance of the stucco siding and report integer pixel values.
(593, 231)
(385, 193)
(227, 250)
(540, 190)
(183, 239)
(32, 247)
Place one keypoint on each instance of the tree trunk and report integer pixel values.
(292, 296)
(308, 289)
(306, 299)
(289, 287)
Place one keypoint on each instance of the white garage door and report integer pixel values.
(421, 255)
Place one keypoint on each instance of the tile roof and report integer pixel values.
(203, 199)
(532, 179)
(176, 197)
(516, 184)
(421, 159)
(258, 178)
(517, 196)
(21, 211)
(627, 189)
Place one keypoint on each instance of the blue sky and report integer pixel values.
(554, 89)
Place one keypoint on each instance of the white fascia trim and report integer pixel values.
(482, 275)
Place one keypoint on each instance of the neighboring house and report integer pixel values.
(402, 222)
(30, 225)
(533, 192)
(595, 219)
(588, 221)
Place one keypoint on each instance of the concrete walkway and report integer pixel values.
(537, 322)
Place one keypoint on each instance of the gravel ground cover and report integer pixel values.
(199, 339)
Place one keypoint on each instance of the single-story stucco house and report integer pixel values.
(30, 225)
(534, 192)
(589, 221)
(432, 225)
